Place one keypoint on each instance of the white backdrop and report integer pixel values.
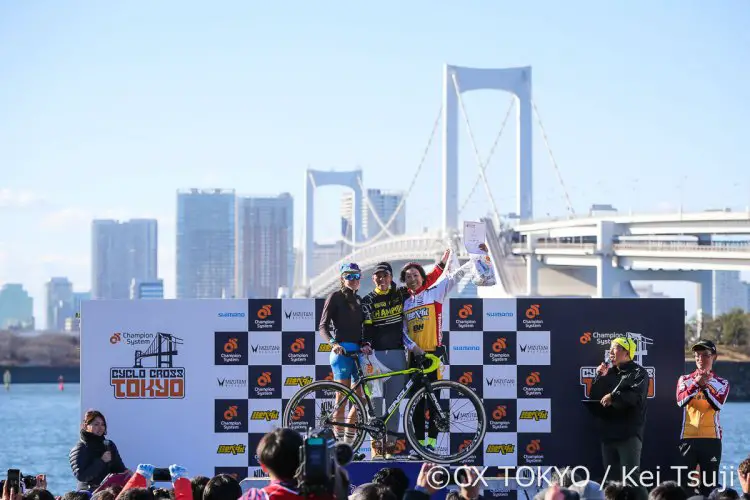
(163, 431)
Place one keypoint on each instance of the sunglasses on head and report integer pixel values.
(352, 277)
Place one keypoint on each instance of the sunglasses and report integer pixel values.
(352, 277)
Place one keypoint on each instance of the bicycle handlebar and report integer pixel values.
(434, 363)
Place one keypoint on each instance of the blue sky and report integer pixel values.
(106, 109)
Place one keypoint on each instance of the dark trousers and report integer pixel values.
(620, 458)
(706, 454)
(419, 410)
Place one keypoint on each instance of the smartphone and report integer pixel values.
(162, 475)
(14, 480)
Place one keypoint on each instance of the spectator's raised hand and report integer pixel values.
(147, 471)
(41, 481)
(10, 493)
(425, 480)
(744, 480)
(177, 472)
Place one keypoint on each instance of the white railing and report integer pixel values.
(419, 247)
(739, 213)
(655, 246)
(682, 247)
(521, 247)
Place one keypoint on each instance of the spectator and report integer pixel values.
(222, 487)
(198, 484)
(373, 491)
(393, 477)
(278, 454)
(668, 490)
(620, 491)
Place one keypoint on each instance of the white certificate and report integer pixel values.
(473, 236)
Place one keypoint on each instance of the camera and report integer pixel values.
(161, 474)
(29, 482)
(15, 478)
(321, 458)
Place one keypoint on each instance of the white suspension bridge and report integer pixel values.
(575, 256)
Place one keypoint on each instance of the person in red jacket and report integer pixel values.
(144, 476)
(279, 456)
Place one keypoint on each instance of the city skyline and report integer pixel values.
(87, 97)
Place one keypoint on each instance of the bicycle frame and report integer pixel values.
(363, 379)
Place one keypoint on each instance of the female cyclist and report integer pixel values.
(423, 324)
(341, 326)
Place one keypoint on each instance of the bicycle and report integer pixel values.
(376, 426)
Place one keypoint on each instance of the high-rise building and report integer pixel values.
(265, 256)
(121, 252)
(60, 303)
(729, 292)
(384, 204)
(206, 244)
(140, 290)
(16, 308)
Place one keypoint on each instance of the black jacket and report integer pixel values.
(626, 417)
(384, 318)
(87, 464)
(342, 317)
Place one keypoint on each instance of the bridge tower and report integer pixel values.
(316, 178)
(514, 80)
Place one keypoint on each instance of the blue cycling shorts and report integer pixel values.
(343, 366)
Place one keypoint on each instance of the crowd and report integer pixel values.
(279, 456)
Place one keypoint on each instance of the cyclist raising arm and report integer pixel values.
(423, 323)
(343, 311)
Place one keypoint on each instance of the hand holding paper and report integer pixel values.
(474, 235)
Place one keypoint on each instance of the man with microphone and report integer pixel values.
(621, 388)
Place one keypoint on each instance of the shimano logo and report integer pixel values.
(231, 315)
(500, 314)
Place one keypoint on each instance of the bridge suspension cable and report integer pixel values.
(368, 204)
(476, 149)
(571, 211)
(490, 155)
(384, 228)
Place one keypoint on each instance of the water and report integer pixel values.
(40, 425)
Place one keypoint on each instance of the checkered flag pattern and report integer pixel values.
(485, 350)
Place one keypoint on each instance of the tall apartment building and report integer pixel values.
(121, 252)
(16, 308)
(265, 250)
(729, 292)
(384, 204)
(206, 244)
(60, 303)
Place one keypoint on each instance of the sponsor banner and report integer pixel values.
(298, 316)
(466, 349)
(223, 372)
(534, 415)
(533, 348)
(264, 315)
(499, 315)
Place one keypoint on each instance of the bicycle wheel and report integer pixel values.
(468, 405)
(323, 395)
